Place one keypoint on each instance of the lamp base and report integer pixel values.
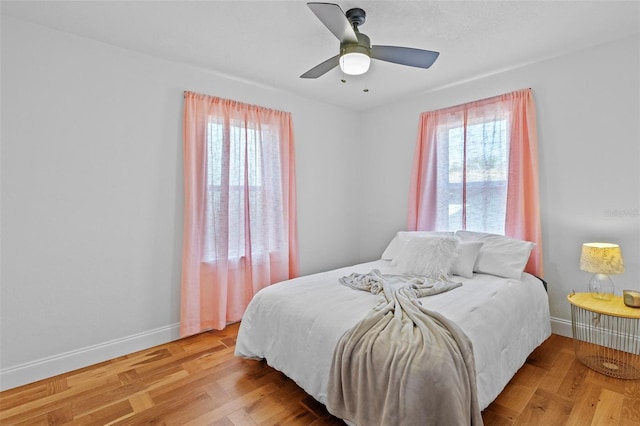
(601, 287)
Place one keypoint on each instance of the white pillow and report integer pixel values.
(392, 249)
(465, 260)
(430, 256)
(499, 255)
(402, 237)
(475, 236)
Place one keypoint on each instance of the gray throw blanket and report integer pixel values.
(402, 364)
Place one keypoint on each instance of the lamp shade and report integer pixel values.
(601, 258)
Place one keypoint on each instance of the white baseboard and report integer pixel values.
(33, 371)
(561, 326)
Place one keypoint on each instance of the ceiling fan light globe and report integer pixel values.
(354, 63)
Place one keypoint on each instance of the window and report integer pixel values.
(473, 170)
(240, 161)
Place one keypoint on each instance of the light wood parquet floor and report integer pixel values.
(198, 381)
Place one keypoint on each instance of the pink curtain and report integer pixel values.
(521, 210)
(240, 225)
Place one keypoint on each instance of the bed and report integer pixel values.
(296, 325)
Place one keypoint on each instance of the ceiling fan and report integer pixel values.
(355, 48)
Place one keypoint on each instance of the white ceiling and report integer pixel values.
(271, 43)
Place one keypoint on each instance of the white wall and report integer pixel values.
(92, 195)
(588, 112)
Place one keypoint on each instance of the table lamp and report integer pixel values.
(601, 259)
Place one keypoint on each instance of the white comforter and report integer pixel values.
(295, 325)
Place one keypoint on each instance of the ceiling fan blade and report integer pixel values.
(322, 68)
(335, 20)
(405, 55)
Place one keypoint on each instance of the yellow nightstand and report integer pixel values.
(606, 335)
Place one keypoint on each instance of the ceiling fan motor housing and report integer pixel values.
(362, 46)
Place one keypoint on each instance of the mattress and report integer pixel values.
(295, 325)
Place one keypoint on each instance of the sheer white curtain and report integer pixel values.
(472, 169)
